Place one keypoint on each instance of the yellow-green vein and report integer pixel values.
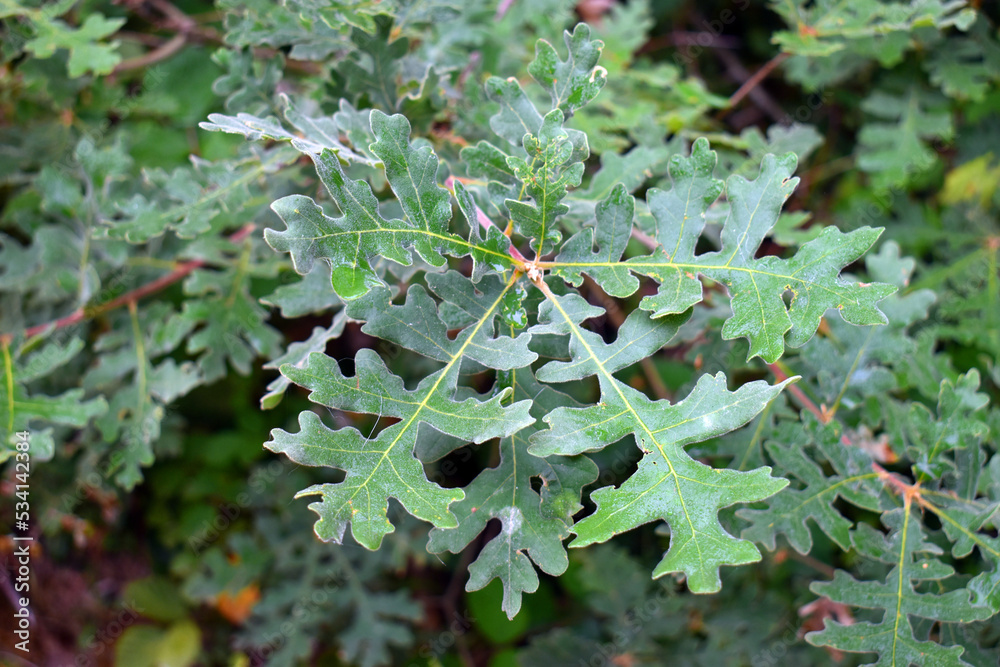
(410, 230)
(847, 378)
(423, 403)
(8, 366)
(701, 268)
(902, 575)
(635, 415)
(140, 354)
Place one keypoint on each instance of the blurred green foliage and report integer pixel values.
(143, 318)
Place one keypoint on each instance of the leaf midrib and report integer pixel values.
(443, 374)
(404, 230)
(702, 268)
(672, 471)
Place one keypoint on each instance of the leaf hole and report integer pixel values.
(347, 368)
(456, 469)
(536, 485)
(933, 522)
(767, 248)
(492, 529)
(620, 462)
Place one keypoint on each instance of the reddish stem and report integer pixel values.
(805, 401)
(162, 52)
(485, 222)
(757, 77)
(909, 492)
(503, 8)
(83, 313)
(645, 239)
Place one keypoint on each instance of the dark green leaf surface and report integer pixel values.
(755, 285)
(349, 242)
(573, 82)
(19, 408)
(669, 485)
(914, 560)
(957, 425)
(796, 450)
(385, 466)
(533, 525)
(552, 167)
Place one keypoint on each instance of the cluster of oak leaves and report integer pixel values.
(519, 315)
